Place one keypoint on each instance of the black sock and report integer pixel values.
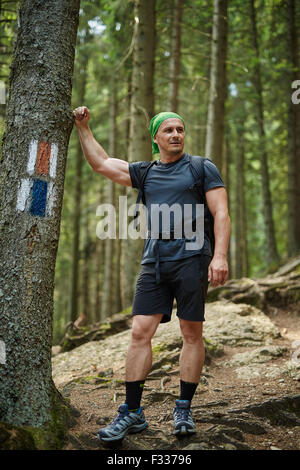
(134, 392)
(187, 390)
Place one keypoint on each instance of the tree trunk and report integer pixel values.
(100, 255)
(175, 55)
(142, 98)
(106, 308)
(39, 123)
(241, 263)
(141, 112)
(77, 202)
(270, 241)
(217, 91)
(86, 272)
(293, 230)
(226, 173)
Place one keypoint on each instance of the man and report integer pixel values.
(169, 269)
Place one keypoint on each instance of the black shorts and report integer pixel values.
(184, 279)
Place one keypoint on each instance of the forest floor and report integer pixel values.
(231, 411)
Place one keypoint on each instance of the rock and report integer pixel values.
(238, 325)
(228, 446)
(250, 372)
(257, 355)
(249, 364)
(56, 350)
(283, 411)
(221, 434)
(240, 421)
(197, 446)
(293, 369)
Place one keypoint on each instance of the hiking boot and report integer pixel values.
(183, 421)
(125, 422)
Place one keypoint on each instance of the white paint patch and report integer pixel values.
(23, 194)
(33, 146)
(2, 92)
(53, 160)
(51, 197)
(2, 352)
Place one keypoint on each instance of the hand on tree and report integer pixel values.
(82, 116)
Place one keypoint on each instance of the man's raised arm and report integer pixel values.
(113, 168)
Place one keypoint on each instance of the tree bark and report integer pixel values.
(175, 55)
(293, 229)
(270, 241)
(241, 259)
(39, 123)
(141, 112)
(106, 308)
(217, 91)
(142, 98)
(100, 256)
(86, 304)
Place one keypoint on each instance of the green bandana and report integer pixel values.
(156, 122)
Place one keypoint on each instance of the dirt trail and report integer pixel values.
(244, 401)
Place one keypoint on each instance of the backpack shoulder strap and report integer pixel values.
(144, 168)
(197, 168)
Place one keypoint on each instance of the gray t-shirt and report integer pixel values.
(171, 183)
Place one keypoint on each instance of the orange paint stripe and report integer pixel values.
(43, 158)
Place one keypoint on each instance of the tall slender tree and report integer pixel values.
(270, 241)
(175, 55)
(106, 308)
(241, 258)
(81, 78)
(141, 111)
(39, 123)
(293, 230)
(217, 89)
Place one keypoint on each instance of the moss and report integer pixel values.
(105, 326)
(12, 438)
(214, 350)
(50, 436)
(126, 311)
(159, 348)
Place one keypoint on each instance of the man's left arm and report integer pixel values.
(217, 203)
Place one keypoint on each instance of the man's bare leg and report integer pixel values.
(139, 354)
(193, 353)
(191, 363)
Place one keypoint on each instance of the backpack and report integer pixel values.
(197, 170)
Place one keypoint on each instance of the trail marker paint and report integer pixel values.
(36, 195)
(2, 352)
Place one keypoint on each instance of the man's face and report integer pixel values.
(170, 136)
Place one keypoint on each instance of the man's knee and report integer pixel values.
(191, 331)
(144, 327)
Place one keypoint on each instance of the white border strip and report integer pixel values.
(2, 352)
(51, 197)
(23, 194)
(33, 146)
(53, 160)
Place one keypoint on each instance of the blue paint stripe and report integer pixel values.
(39, 198)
